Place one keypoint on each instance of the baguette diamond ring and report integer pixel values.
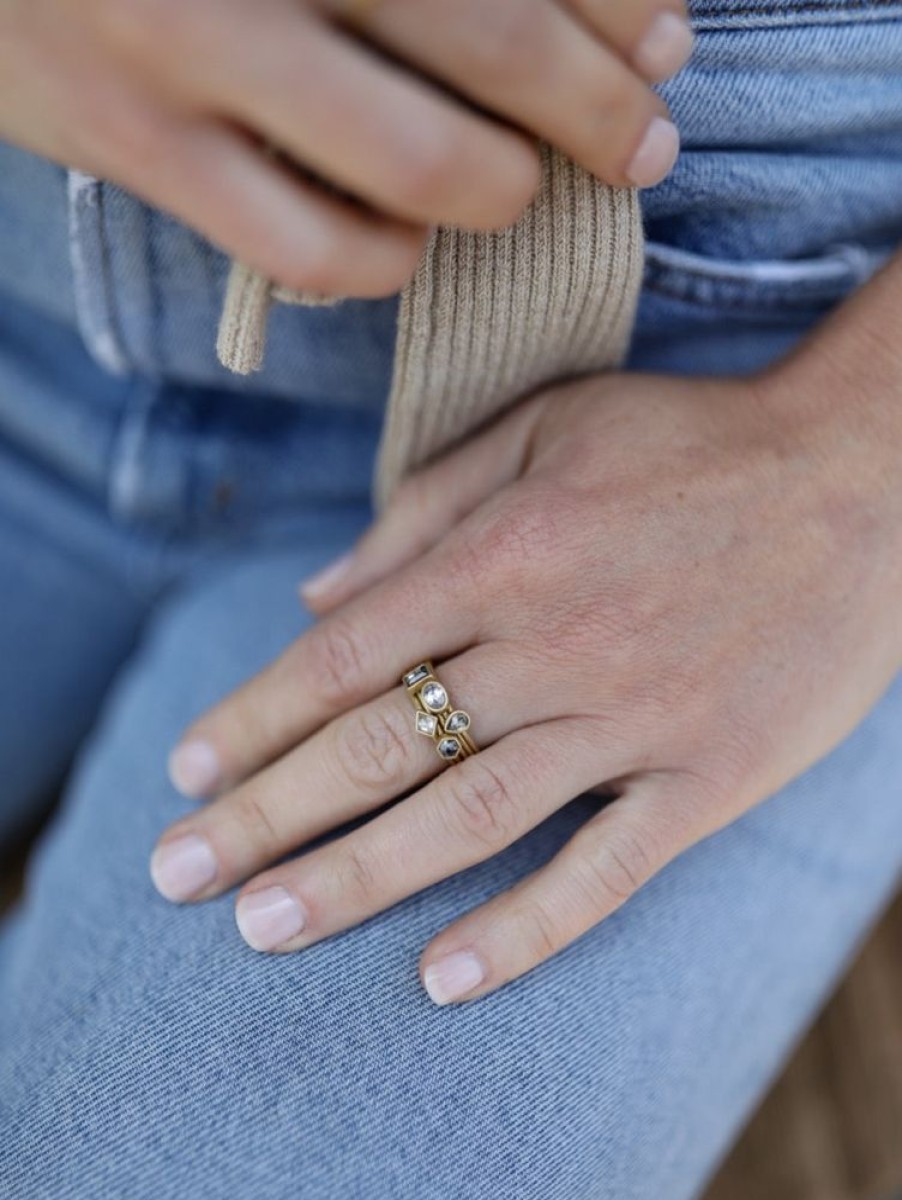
(435, 716)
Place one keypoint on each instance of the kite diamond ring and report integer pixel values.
(436, 717)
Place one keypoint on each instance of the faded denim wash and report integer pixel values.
(155, 515)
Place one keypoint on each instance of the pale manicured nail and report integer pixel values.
(656, 155)
(327, 579)
(665, 48)
(267, 919)
(194, 768)
(183, 867)
(453, 976)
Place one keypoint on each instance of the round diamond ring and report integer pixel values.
(435, 716)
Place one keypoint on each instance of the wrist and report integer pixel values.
(838, 397)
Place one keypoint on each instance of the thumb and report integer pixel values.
(427, 504)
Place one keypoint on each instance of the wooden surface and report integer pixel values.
(831, 1129)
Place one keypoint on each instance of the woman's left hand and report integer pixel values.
(681, 592)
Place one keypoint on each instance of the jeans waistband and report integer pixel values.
(791, 119)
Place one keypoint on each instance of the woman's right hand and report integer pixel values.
(420, 112)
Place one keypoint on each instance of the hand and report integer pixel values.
(682, 592)
(426, 119)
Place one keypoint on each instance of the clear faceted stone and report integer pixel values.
(457, 722)
(449, 747)
(434, 696)
(416, 675)
(427, 723)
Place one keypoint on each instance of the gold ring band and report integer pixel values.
(436, 717)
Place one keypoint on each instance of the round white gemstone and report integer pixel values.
(449, 747)
(457, 722)
(434, 696)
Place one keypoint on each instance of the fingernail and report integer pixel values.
(453, 976)
(326, 580)
(183, 867)
(656, 155)
(665, 48)
(267, 919)
(194, 768)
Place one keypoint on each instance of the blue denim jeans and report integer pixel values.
(155, 515)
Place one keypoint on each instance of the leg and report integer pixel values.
(146, 1052)
(111, 489)
(68, 612)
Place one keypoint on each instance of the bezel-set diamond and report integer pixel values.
(435, 717)
(448, 747)
(434, 696)
(426, 724)
(413, 677)
(457, 722)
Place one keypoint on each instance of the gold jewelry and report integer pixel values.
(435, 717)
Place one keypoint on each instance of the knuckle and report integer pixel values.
(337, 661)
(359, 877)
(511, 47)
(617, 115)
(257, 823)
(618, 95)
(374, 749)
(543, 935)
(614, 868)
(430, 175)
(483, 805)
(511, 540)
(726, 770)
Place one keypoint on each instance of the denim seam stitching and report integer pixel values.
(750, 17)
(89, 258)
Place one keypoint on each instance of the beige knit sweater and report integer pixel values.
(488, 317)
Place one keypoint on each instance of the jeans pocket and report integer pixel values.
(749, 14)
(740, 289)
(700, 314)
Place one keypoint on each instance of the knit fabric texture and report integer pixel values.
(487, 317)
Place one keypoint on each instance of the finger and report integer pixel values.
(381, 133)
(217, 180)
(605, 862)
(653, 35)
(469, 813)
(533, 63)
(346, 659)
(356, 763)
(427, 505)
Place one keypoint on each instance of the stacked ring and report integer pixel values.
(436, 717)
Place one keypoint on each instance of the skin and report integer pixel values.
(680, 592)
(426, 113)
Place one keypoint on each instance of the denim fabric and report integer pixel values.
(788, 191)
(791, 120)
(154, 519)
